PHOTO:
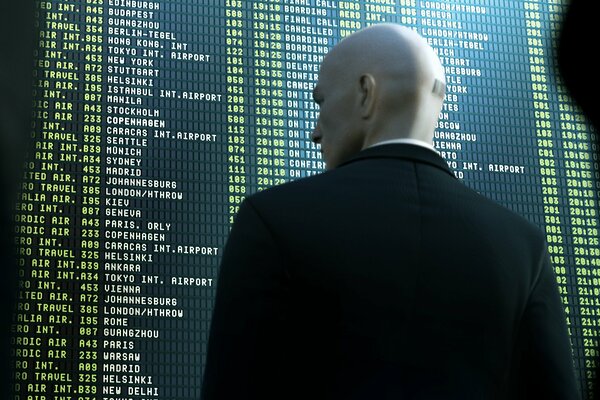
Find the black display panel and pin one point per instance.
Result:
(152, 120)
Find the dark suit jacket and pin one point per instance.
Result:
(386, 278)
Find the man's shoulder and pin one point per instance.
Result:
(339, 187)
(306, 186)
(506, 221)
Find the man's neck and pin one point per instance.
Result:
(406, 141)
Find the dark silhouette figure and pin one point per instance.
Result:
(579, 73)
(16, 66)
(578, 70)
(384, 277)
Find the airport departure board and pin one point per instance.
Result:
(152, 120)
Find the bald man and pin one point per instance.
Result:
(384, 277)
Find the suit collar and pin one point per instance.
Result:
(403, 151)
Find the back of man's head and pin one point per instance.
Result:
(383, 82)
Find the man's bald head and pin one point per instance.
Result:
(390, 49)
(383, 82)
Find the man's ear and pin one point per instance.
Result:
(368, 88)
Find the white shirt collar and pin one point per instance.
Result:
(407, 141)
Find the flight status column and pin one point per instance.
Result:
(309, 32)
